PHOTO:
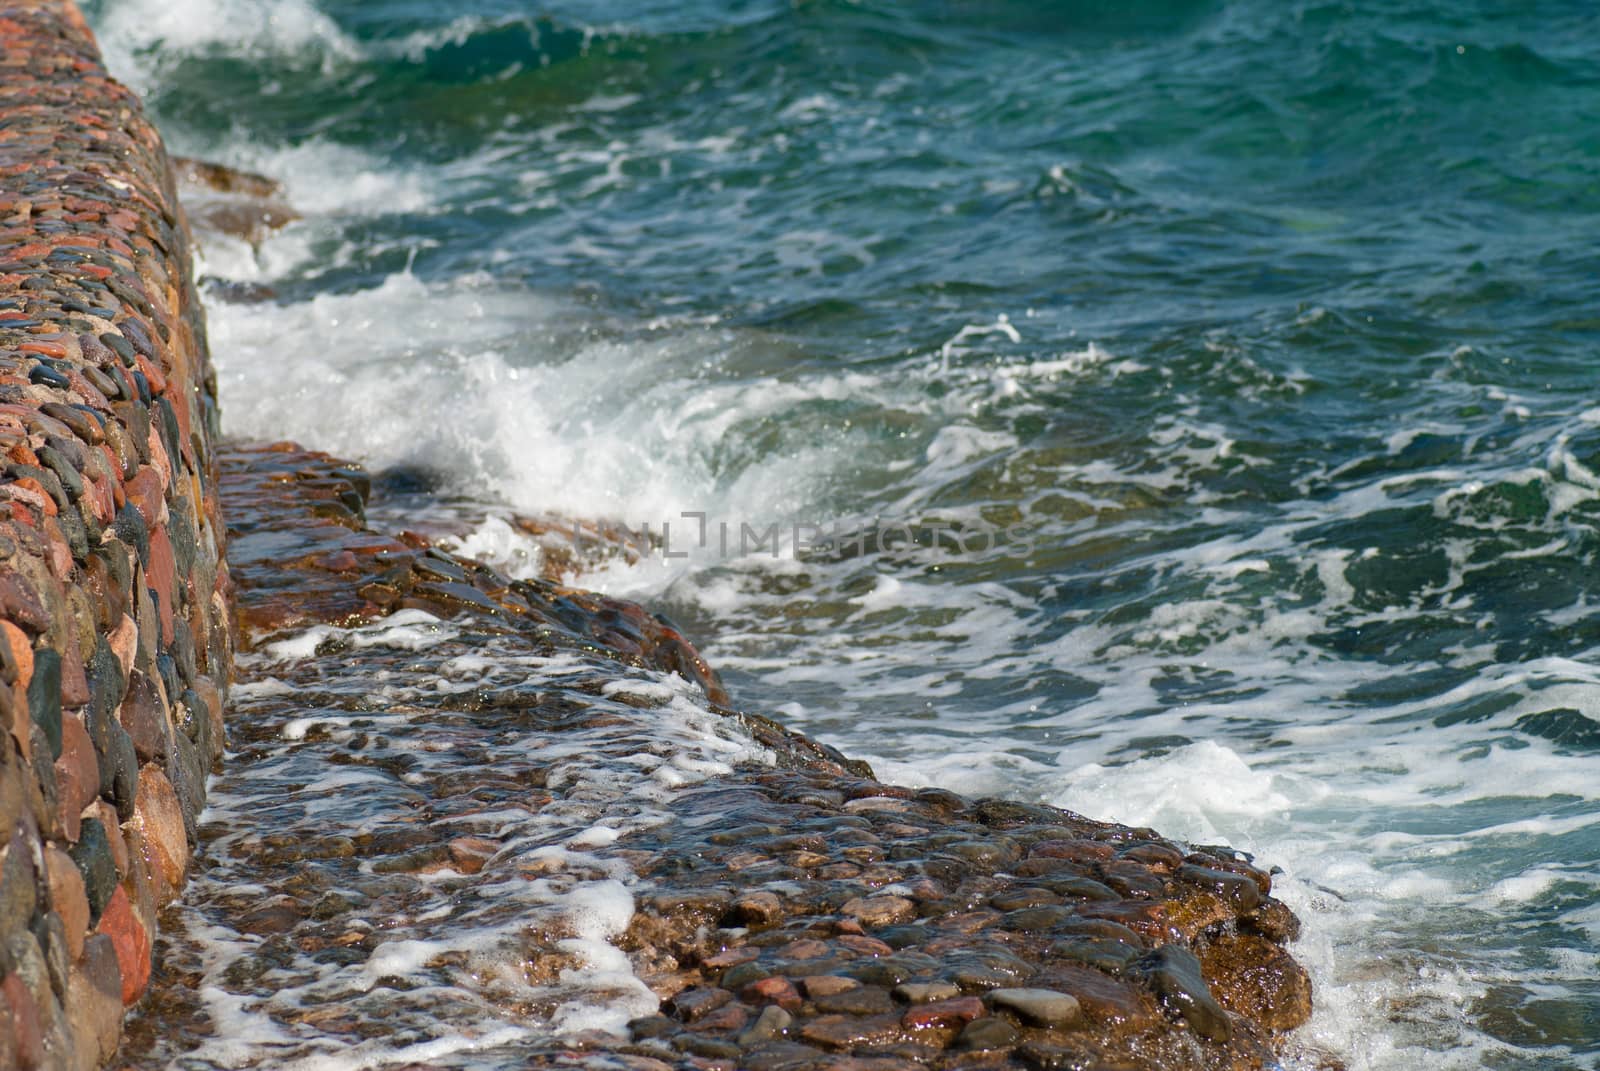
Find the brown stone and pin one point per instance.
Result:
(1175, 974)
(13, 793)
(9, 1057)
(94, 999)
(847, 1031)
(67, 897)
(162, 577)
(74, 679)
(864, 1001)
(728, 1019)
(779, 991)
(21, 654)
(988, 1035)
(956, 1012)
(1257, 979)
(1019, 898)
(27, 1030)
(771, 1023)
(1155, 854)
(865, 946)
(880, 910)
(732, 957)
(825, 985)
(124, 640)
(1195, 914)
(924, 1056)
(757, 909)
(692, 1004)
(21, 651)
(211, 696)
(19, 602)
(1105, 1001)
(145, 491)
(1145, 917)
(158, 817)
(1046, 1007)
(925, 992)
(18, 884)
(144, 715)
(1275, 922)
(77, 773)
(281, 916)
(469, 854)
(1074, 849)
(804, 949)
(1239, 890)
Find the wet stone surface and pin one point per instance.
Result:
(459, 829)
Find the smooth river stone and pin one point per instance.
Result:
(771, 1023)
(987, 1035)
(880, 910)
(1174, 973)
(923, 992)
(1047, 1007)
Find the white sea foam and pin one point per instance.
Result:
(457, 945)
(1195, 793)
(579, 429)
(140, 36)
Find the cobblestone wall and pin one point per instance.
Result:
(113, 593)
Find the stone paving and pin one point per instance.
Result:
(788, 909)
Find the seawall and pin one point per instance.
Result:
(113, 604)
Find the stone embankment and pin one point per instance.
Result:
(789, 912)
(114, 637)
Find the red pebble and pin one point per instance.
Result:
(868, 946)
(805, 948)
(131, 942)
(779, 991)
(954, 1012)
(146, 493)
(23, 1014)
(732, 957)
(730, 1018)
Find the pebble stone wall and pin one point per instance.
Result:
(114, 641)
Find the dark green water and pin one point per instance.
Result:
(1203, 393)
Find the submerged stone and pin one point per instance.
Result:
(1174, 973)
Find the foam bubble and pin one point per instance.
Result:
(1196, 793)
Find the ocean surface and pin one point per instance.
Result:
(1184, 413)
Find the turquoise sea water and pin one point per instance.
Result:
(1201, 399)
